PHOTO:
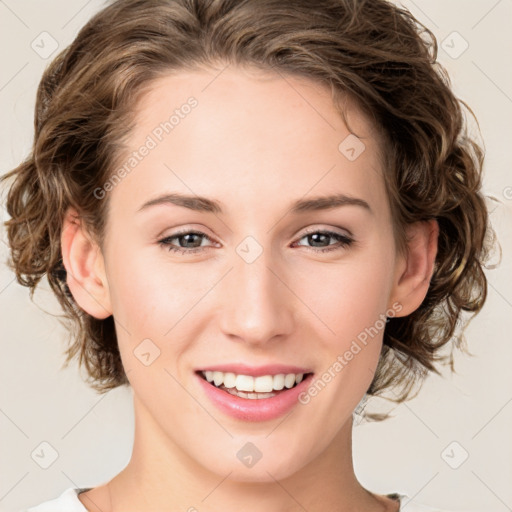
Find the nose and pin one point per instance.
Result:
(257, 305)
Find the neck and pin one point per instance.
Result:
(161, 476)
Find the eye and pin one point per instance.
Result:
(320, 240)
(192, 241)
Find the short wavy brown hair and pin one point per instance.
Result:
(370, 50)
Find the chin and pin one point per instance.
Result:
(252, 462)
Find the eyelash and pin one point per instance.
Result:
(343, 241)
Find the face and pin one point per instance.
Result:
(249, 279)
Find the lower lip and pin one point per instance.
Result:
(259, 409)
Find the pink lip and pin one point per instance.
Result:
(255, 371)
(263, 409)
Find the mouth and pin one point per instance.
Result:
(253, 387)
(254, 394)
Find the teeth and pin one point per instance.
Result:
(252, 396)
(264, 384)
(289, 380)
(244, 383)
(218, 378)
(278, 381)
(229, 379)
(247, 384)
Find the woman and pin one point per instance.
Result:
(255, 214)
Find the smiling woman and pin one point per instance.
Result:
(223, 259)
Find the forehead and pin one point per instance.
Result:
(238, 133)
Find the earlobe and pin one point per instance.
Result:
(414, 270)
(83, 261)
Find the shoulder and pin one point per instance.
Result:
(67, 502)
(409, 505)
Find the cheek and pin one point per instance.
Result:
(347, 297)
(150, 295)
(352, 307)
(157, 301)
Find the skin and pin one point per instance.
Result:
(256, 142)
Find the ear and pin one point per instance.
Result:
(414, 270)
(85, 267)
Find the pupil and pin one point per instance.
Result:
(191, 235)
(314, 237)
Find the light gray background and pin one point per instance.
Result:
(410, 453)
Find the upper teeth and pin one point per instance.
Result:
(262, 384)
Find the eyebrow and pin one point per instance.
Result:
(204, 204)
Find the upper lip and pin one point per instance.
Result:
(255, 371)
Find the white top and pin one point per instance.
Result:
(68, 502)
